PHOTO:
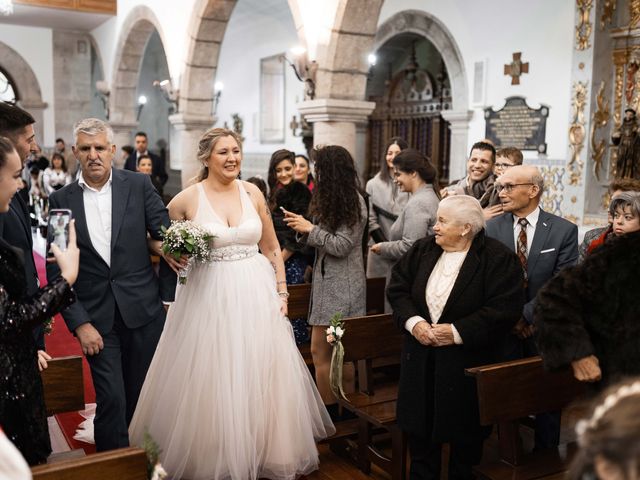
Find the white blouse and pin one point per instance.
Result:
(439, 286)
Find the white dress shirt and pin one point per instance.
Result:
(439, 286)
(532, 218)
(97, 211)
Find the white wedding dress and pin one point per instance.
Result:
(228, 395)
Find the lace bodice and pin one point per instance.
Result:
(230, 243)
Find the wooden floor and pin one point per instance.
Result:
(334, 467)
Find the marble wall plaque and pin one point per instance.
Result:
(517, 125)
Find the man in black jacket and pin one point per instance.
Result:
(15, 225)
(159, 173)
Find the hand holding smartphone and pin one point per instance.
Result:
(58, 229)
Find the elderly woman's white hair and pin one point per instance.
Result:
(466, 210)
(92, 126)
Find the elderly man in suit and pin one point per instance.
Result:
(119, 315)
(15, 225)
(158, 172)
(545, 244)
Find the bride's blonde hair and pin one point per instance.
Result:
(206, 145)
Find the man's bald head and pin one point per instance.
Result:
(520, 189)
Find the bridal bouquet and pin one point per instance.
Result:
(334, 337)
(185, 237)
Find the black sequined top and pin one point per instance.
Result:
(22, 411)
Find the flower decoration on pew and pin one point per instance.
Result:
(152, 449)
(185, 237)
(334, 336)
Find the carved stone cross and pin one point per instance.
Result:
(516, 68)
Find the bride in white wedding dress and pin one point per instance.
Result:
(228, 395)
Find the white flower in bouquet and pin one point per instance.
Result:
(185, 237)
(159, 473)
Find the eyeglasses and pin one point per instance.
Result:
(508, 187)
(504, 165)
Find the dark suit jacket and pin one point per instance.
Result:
(130, 282)
(484, 304)
(15, 229)
(158, 171)
(554, 247)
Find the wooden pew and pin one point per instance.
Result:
(367, 339)
(300, 297)
(63, 385)
(510, 391)
(123, 464)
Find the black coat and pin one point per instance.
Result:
(594, 308)
(22, 410)
(436, 400)
(295, 198)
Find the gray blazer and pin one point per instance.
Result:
(386, 203)
(415, 222)
(339, 283)
(554, 247)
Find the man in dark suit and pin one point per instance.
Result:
(545, 244)
(159, 173)
(119, 315)
(15, 225)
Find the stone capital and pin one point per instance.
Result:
(183, 121)
(336, 110)
(123, 126)
(33, 105)
(457, 119)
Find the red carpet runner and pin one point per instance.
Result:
(62, 343)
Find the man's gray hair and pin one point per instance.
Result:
(466, 210)
(538, 179)
(626, 199)
(92, 126)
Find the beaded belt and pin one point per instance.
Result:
(232, 252)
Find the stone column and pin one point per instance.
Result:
(336, 122)
(458, 154)
(122, 135)
(185, 135)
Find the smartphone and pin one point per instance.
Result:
(58, 229)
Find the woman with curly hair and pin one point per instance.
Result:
(339, 284)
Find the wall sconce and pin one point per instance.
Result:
(372, 59)
(170, 94)
(142, 101)
(102, 92)
(304, 69)
(217, 93)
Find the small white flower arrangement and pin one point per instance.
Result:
(185, 237)
(335, 333)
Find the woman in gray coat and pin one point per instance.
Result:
(386, 204)
(416, 176)
(339, 283)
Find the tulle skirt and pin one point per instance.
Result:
(228, 395)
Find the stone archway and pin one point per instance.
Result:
(26, 84)
(135, 33)
(195, 115)
(426, 25)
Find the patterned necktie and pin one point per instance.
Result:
(522, 246)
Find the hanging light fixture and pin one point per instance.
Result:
(6, 7)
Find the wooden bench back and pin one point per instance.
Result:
(63, 385)
(123, 464)
(300, 296)
(370, 337)
(511, 390)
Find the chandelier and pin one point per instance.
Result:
(6, 7)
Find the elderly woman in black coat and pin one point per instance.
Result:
(454, 295)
